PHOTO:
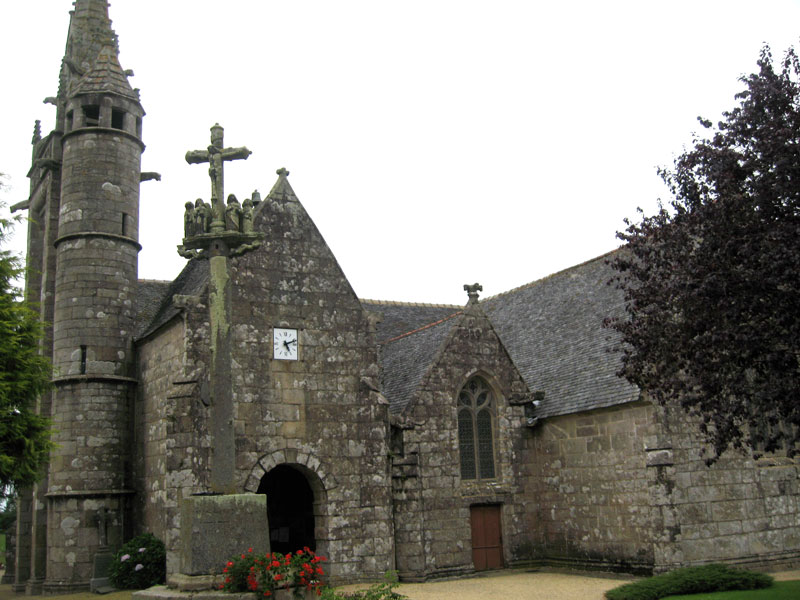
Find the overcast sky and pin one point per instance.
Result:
(434, 143)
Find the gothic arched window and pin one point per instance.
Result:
(475, 430)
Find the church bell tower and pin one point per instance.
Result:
(96, 255)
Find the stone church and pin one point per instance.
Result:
(435, 440)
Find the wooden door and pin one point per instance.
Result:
(487, 540)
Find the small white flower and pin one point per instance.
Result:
(138, 567)
(124, 557)
(142, 549)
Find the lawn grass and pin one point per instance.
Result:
(780, 590)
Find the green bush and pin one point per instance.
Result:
(691, 580)
(140, 563)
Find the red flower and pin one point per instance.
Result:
(249, 549)
(268, 593)
(275, 563)
(320, 571)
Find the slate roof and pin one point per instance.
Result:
(410, 337)
(403, 317)
(149, 296)
(190, 282)
(552, 329)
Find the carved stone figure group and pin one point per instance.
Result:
(198, 217)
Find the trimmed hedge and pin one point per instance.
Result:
(691, 580)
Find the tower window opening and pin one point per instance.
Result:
(124, 224)
(138, 127)
(91, 115)
(68, 124)
(83, 360)
(117, 118)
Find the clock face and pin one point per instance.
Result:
(284, 344)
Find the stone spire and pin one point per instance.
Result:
(89, 32)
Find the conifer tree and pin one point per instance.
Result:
(24, 376)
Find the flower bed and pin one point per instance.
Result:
(266, 573)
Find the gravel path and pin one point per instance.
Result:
(519, 586)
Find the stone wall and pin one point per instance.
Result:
(159, 365)
(739, 510)
(432, 502)
(588, 488)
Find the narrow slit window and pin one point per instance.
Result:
(83, 360)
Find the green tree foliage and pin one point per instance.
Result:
(712, 281)
(24, 376)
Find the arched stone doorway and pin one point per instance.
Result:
(290, 509)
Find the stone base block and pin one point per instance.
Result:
(193, 583)
(216, 528)
(161, 592)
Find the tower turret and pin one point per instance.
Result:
(96, 272)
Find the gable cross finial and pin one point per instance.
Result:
(472, 292)
(215, 155)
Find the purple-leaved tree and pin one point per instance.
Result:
(712, 281)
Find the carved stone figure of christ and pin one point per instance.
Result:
(216, 154)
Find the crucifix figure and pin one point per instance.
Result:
(216, 155)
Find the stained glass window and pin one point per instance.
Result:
(476, 430)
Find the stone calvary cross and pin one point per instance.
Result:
(217, 245)
(216, 155)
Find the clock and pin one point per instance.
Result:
(284, 344)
